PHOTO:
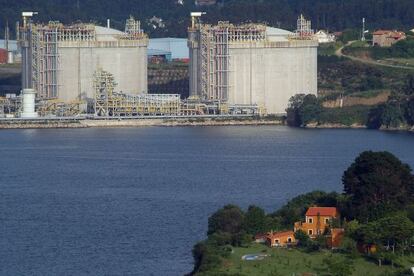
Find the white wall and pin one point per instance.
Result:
(77, 66)
(270, 76)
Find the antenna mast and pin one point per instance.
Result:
(363, 29)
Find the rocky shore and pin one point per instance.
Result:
(334, 125)
(356, 126)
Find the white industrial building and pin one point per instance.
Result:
(252, 64)
(60, 61)
(177, 47)
(324, 37)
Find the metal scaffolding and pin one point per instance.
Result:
(42, 56)
(55, 107)
(215, 56)
(10, 106)
(133, 30)
(304, 28)
(2, 106)
(45, 57)
(109, 103)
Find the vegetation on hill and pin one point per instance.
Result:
(401, 49)
(305, 110)
(377, 210)
(337, 75)
(396, 113)
(332, 15)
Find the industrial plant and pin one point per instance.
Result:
(60, 61)
(94, 71)
(252, 64)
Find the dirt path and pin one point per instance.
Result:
(339, 53)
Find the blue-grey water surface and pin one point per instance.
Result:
(133, 201)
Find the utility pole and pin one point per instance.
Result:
(6, 36)
(17, 30)
(363, 29)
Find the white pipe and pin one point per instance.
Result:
(28, 111)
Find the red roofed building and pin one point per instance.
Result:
(386, 38)
(317, 221)
(280, 239)
(3, 56)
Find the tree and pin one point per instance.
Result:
(303, 109)
(296, 208)
(229, 219)
(255, 220)
(377, 183)
(349, 246)
(375, 117)
(395, 230)
(392, 115)
(389, 234)
(205, 258)
(295, 102)
(310, 109)
(302, 238)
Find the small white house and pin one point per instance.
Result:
(324, 37)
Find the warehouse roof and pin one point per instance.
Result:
(155, 52)
(176, 46)
(12, 44)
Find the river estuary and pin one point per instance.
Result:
(133, 201)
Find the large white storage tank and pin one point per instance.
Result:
(251, 64)
(61, 60)
(125, 59)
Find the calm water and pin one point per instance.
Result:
(134, 201)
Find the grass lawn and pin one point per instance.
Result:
(293, 262)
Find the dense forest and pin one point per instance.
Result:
(325, 14)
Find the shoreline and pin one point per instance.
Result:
(139, 122)
(355, 126)
(64, 123)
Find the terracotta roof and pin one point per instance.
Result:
(280, 234)
(321, 211)
(390, 33)
(381, 32)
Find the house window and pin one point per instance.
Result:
(289, 240)
(310, 232)
(327, 221)
(276, 241)
(310, 220)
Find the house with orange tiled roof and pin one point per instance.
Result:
(280, 239)
(317, 221)
(386, 38)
